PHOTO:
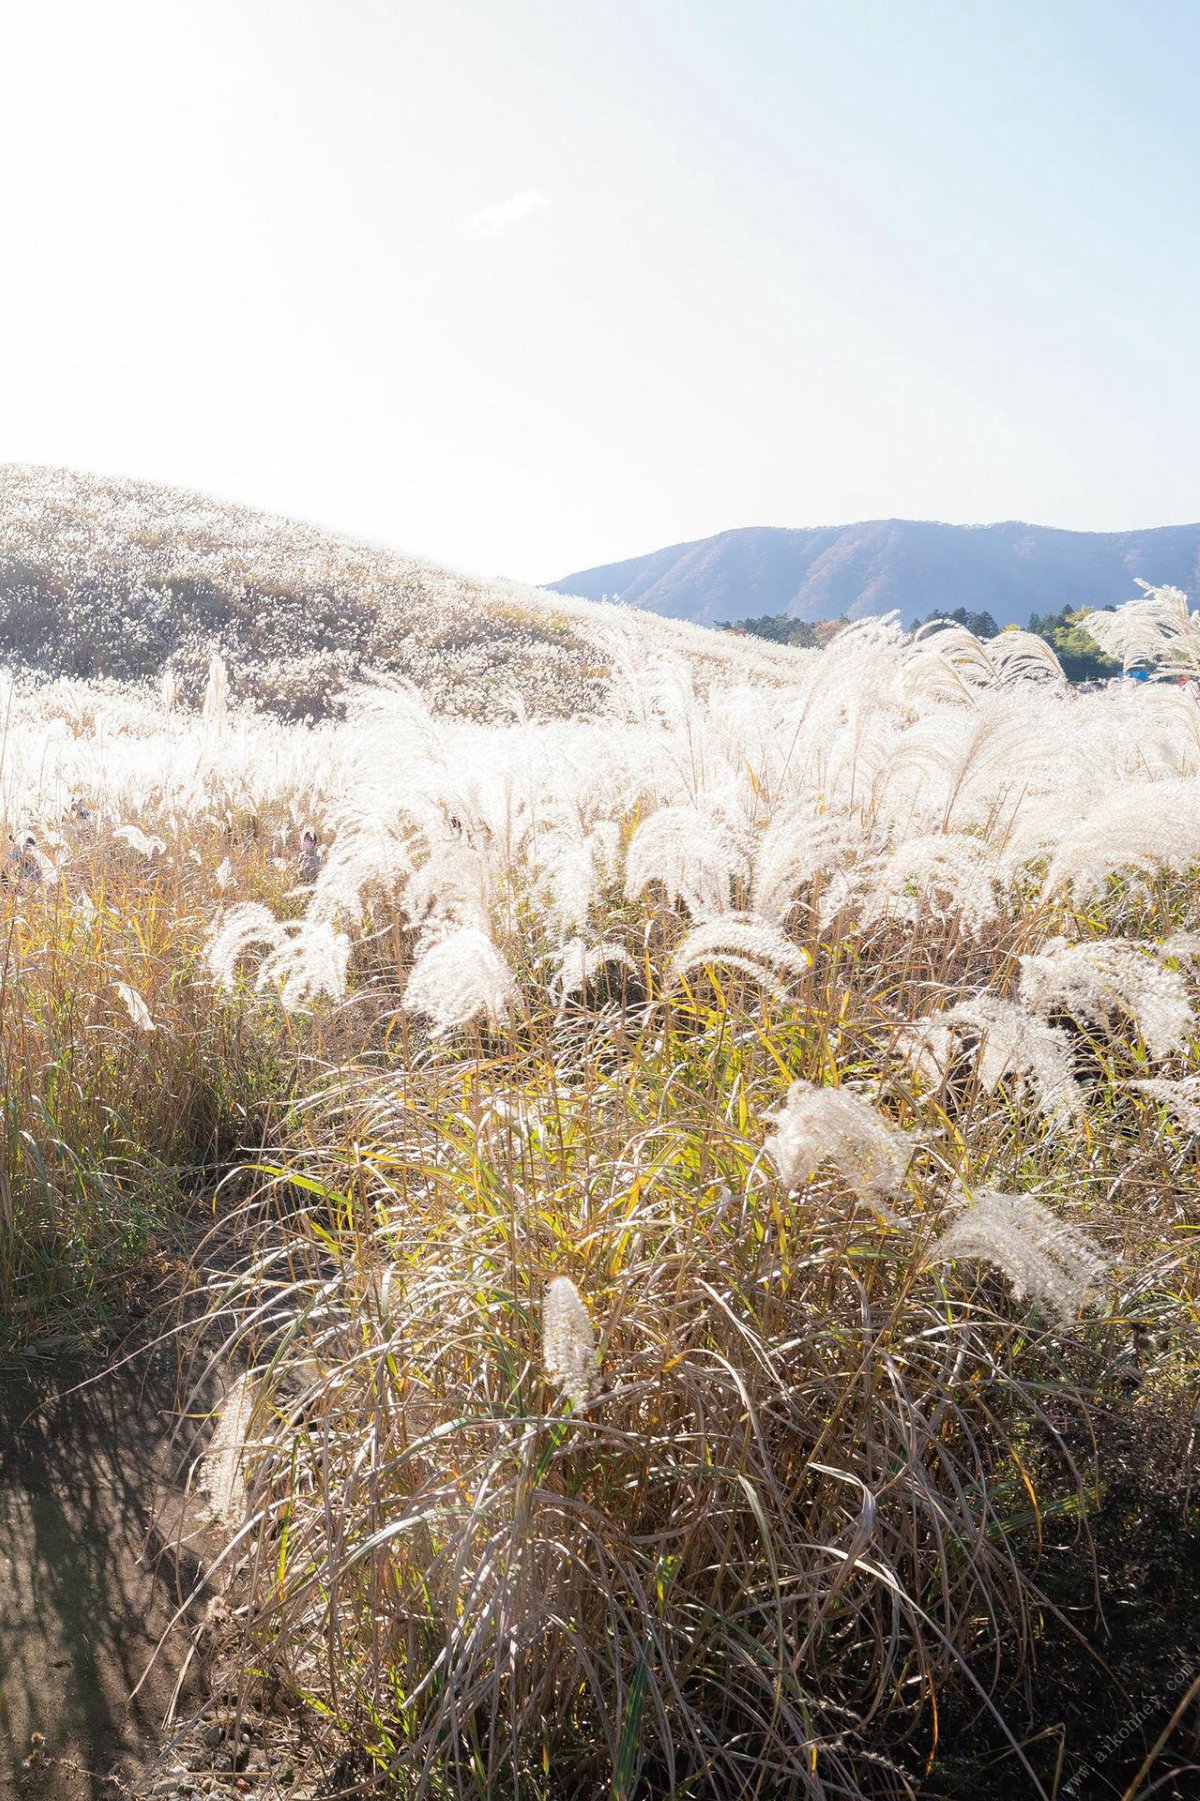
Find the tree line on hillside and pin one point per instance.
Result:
(1081, 657)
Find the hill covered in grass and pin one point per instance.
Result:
(912, 566)
(130, 581)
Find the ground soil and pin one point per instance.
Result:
(94, 1572)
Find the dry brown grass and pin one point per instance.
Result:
(111, 1131)
(807, 1501)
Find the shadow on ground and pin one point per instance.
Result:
(88, 1585)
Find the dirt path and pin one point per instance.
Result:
(88, 1584)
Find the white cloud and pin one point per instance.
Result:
(495, 219)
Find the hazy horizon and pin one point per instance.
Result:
(533, 293)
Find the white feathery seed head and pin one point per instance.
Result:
(308, 963)
(816, 1125)
(1102, 976)
(1139, 829)
(1043, 1257)
(1181, 1098)
(799, 843)
(1158, 630)
(140, 841)
(741, 941)
(944, 874)
(136, 1007)
(928, 1049)
(1012, 1045)
(370, 856)
(1018, 656)
(1181, 947)
(458, 977)
(569, 1342)
(947, 660)
(457, 883)
(236, 932)
(215, 711)
(572, 867)
(579, 963)
(691, 853)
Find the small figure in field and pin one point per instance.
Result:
(25, 862)
(308, 860)
(82, 818)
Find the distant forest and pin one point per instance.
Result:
(1081, 657)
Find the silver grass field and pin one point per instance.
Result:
(679, 1164)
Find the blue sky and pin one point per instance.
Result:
(524, 286)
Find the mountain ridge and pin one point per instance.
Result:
(916, 567)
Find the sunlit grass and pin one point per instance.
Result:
(544, 1013)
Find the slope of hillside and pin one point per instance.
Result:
(130, 581)
(914, 566)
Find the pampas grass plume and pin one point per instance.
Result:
(136, 1007)
(458, 977)
(818, 1125)
(1044, 1258)
(569, 1342)
(743, 942)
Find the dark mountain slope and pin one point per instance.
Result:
(914, 566)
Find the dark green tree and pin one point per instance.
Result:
(982, 624)
(1081, 657)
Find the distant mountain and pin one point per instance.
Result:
(913, 566)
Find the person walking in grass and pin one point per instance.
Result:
(308, 860)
